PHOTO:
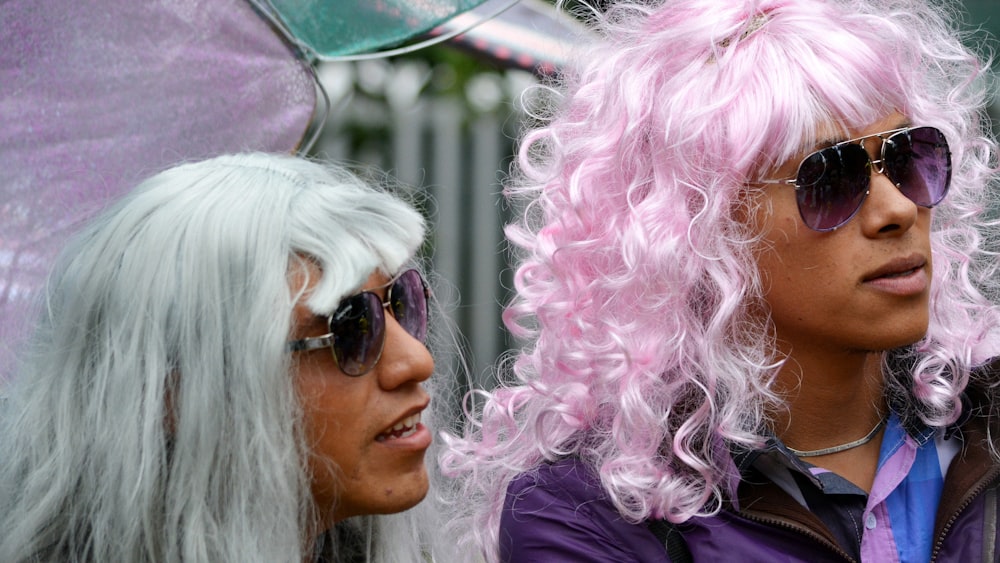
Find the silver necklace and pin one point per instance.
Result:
(843, 447)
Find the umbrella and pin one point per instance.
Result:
(96, 95)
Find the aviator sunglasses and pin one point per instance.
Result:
(832, 183)
(357, 328)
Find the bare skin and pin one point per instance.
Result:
(823, 414)
(359, 463)
(837, 300)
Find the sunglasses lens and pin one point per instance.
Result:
(408, 299)
(831, 185)
(919, 162)
(358, 328)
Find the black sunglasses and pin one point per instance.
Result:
(357, 328)
(832, 183)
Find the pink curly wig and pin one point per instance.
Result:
(637, 278)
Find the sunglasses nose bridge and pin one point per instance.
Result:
(876, 165)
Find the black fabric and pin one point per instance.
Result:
(672, 540)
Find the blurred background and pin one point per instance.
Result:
(443, 121)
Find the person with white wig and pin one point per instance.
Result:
(229, 366)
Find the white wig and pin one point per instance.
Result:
(153, 416)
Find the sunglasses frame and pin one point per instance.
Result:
(876, 165)
(328, 340)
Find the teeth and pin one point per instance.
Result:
(402, 429)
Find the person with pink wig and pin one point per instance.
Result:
(758, 294)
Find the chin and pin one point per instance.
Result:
(408, 494)
(404, 505)
(903, 336)
(384, 496)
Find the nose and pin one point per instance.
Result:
(404, 358)
(886, 211)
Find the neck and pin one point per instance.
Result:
(842, 447)
(817, 391)
(832, 402)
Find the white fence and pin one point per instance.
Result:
(454, 148)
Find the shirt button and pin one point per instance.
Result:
(870, 522)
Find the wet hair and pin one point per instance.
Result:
(636, 283)
(154, 416)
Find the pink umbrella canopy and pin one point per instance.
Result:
(96, 95)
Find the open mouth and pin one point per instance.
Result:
(401, 429)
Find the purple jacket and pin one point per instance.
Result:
(560, 513)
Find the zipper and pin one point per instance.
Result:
(974, 492)
(789, 525)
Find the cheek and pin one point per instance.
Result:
(332, 472)
(331, 426)
(796, 270)
(785, 243)
(780, 250)
(337, 448)
(332, 410)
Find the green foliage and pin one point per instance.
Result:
(453, 67)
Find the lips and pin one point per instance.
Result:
(406, 426)
(897, 268)
(903, 277)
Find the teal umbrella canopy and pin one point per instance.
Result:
(531, 35)
(336, 29)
